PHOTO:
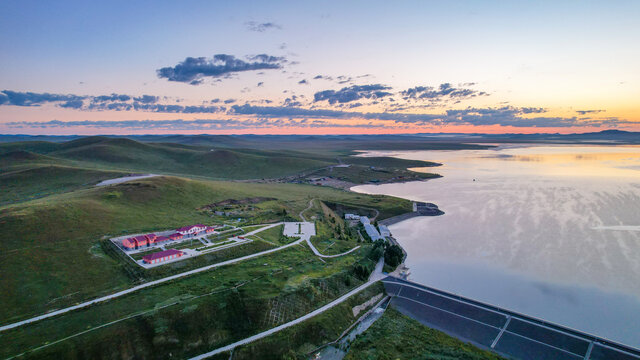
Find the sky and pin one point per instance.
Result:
(298, 67)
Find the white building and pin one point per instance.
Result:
(351, 217)
(384, 231)
(192, 229)
(364, 220)
(372, 232)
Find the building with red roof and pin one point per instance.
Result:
(210, 229)
(160, 239)
(141, 240)
(162, 256)
(176, 236)
(151, 238)
(129, 243)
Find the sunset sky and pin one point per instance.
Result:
(276, 67)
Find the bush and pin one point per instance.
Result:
(363, 269)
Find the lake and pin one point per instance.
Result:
(549, 231)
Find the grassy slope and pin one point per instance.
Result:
(272, 235)
(51, 246)
(299, 340)
(396, 336)
(176, 159)
(35, 169)
(26, 175)
(333, 236)
(193, 315)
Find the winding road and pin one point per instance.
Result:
(155, 282)
(375, 276)
(308, 239)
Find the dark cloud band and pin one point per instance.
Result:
(194, 70)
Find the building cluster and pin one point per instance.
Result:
(371, 230)
(195, 229)
(137, 242)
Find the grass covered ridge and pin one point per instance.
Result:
(52, 247)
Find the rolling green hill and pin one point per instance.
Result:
(25, 175)
(30, 170)
(175, 159)
(51, 246)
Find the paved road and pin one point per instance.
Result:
(375, 276)
(313, 248)
(153, 283)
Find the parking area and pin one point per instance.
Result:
(301, 229)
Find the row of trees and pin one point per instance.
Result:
(393, 256)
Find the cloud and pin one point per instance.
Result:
(112, 97)
(198, 124)
(194, 70)
(503, 116)
(147, 99)
(585, 112)
(113, 102)
(17, 98)
(352, 93)
(445, 90)
(262, 27)
(72, 104)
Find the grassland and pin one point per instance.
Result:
(363, 170)
(333, 235)
(26, 176)
(173, 159)
(297, 342)
(192, 315)
(396, 336)
(54, 247)
(32, 170)
(273, 235)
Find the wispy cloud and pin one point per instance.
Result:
(445, 90)
(113, 102)
(352, 93)
(585, 112)
(199, 124)
(194, 70)
(262, 27)
(8, 97)
(504, 116)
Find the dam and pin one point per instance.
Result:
(508, 333)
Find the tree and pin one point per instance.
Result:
(393, 255)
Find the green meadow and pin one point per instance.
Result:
(57, 252)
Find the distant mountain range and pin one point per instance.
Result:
(411, 140)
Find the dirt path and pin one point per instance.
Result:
(308, 208)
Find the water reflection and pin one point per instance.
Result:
(545, 230)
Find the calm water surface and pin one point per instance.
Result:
(550, 231)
